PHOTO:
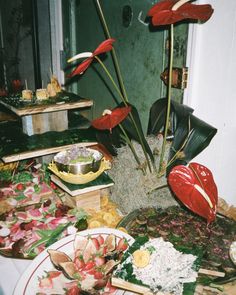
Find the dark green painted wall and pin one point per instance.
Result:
(141, 53)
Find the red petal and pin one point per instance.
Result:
(161, 6)
(105, 46)
(81, 67)
(112, 120)
(205, 178)
(162, 13)
(192, 11)
(183, 181)
(165, 17)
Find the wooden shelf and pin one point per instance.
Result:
(63, 101)
(44, 127)
(16, 146)
(40, 116)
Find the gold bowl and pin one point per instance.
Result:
(80, 178)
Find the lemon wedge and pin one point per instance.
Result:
(141, 258)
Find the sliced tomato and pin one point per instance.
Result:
(79, 262)
(53, 274)
(122, 245)
(100, 240)
(73, 291)
(20, 187)
(98, 275)
(52, 185)
(89, 265)
(96, 243)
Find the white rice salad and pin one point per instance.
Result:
(167, 270)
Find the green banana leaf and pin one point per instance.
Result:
(191, 137)
(157, 115)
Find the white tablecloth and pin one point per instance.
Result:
(10, 272)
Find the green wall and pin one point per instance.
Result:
(141, 52)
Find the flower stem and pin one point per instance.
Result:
(130, 114)
(113, 52)
(112, 80)
(177, 153)
(126, 137)
(120, 80)
(161, 165)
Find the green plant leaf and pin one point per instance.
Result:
(111, 140)
(191, 137)
(158, 114)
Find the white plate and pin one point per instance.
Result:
(28, 283)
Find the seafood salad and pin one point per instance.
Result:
(158, 265)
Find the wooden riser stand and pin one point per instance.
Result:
(87, 196)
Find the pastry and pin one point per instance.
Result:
(51, 90)
(27, 94)
(56, 85)
(42, 94)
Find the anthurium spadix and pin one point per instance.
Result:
(80, 55)
(104, 47)
(195, 187)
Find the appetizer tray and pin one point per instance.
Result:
(187, 231)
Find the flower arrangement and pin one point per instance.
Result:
(191, 135)
(193, 185)
(169, 12)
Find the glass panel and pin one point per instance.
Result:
(25, 43)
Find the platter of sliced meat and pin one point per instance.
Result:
(77, 264)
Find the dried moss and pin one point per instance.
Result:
(132, 189)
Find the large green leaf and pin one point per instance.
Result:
(111, 140)
(157, 115)
(191, 137)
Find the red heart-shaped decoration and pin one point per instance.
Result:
(194, 186)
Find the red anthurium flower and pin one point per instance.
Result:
(16, 85)
(3, 92)
(162, 13)
(194, 186)
(104, 47)
(110, 119)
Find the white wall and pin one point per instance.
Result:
(212, 91)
